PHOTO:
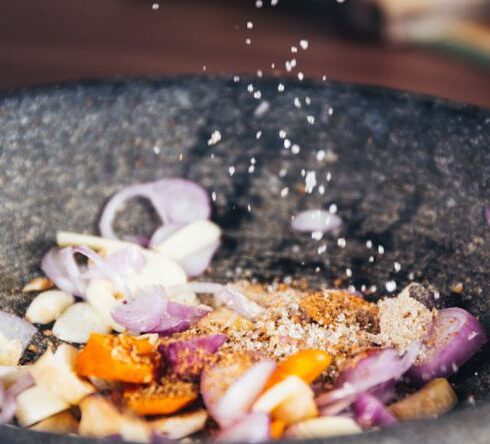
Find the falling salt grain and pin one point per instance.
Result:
(310, 119)
(307, 101)
(332, 209)
(371, 259)
(369, 244)
(287, 143)
(250, 25)
(249, 208)
(261, 109)
(258, 135)
(304, 44)
(341, 242)
(317, 235)
(397, 266)
(250, 88)
(155, 6)
(320, 155)
(330, 111)
(301, 76)
(390, 286)
(310, 181)
(381, 249)
(283, 172)
(328, 176)
(282, 134)
(284, 192)
(348, 272)
(215, 138)
(297, 102)
(322, 249)
(321, 189)
(231, 170)
(324, 78)
(258, 4)
(213, 196)
(411, 276)
(274, 2)
(248, 41)
(295, 149)
(472, 335)
(257, 95)
(259, 73)
(294, 49)
(280, 87)
(204, 67)
(236, 79)
(251, 169)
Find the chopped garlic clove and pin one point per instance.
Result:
(78, 322)
(56, 372)
(10, 373)
(102, 296)
(37, 403)
(61, 423)
(99, 418)
(180, 426)
(10, 351)
(279, 393)
(323, 427)
(100, 244)
(48, 306)
(190, 240)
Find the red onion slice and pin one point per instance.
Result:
(455, 337)
(150, 311)
(236, 400)
(316, 221)
(379, 366)
(61, 268)
(8, 403)
(227, 295)
(125, 262)
(187, 358)
(252, 428)
(13, 327)
(142, 313)
(370, 412)
(177, 201)
(105, 269)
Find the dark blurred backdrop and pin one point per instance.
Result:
(43, 41)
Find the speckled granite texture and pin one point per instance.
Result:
(407, 172)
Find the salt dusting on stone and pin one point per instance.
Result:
(215, 138)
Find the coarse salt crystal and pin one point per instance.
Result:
(231, 170)
(214, 138)
(310, 119)
(341, 242)
(390, 286)
(250, 25)
(282, 134)
(304, 44)
(295, 149)
(280, 87)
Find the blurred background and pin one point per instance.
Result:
(439, 47)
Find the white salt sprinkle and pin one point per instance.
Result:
(304, 44)
(282, 134)
(397, 266)
(301, 76)
(250, 25)
(231, 170)
(310, 119)
(258, 135)
(214, 138)
(390, 286)
(155, 6)
(280, 87)
(284, 192)
(295, 149)
(310, 181)
(341, 242)
(262, 108)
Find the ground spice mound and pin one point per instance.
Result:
(402, 321)
(295, 319)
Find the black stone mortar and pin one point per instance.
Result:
(408, 172)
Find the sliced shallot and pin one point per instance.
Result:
(370, 412)
(227, 295)
(316, 221)
(228, 403)
(177, 201)
(187, 358)
(251, 428)
(377, 367)
(455, 337)
(15, 328)
(60, 267)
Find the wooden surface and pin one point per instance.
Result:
(54, 40)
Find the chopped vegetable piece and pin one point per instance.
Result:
(277, 428)
(431, 401)
(160, 399)
(248, 429)
(101, 419)
(63, 422)
(324, 427)
(117, 358)
(180, 426)
(306, 364)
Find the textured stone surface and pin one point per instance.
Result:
(407, 172)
